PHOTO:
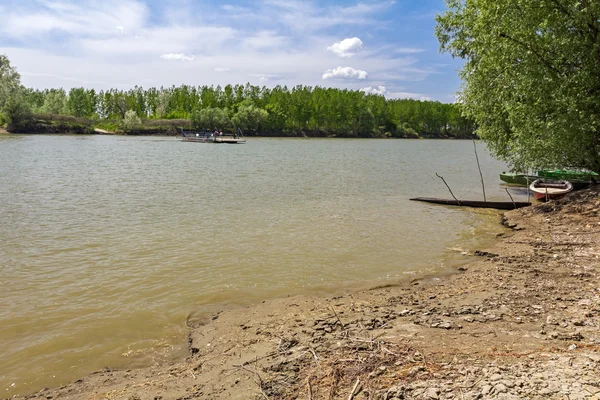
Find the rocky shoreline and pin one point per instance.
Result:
(523, 321)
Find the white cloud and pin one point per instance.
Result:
(380, 90)
(163, 39)
(264, 40)
(88, 19)
(407, 50)
(179, 57)
(305, 16)
(347, 47)
(345, 73)
(222, 69)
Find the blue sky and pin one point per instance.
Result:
(385, 46)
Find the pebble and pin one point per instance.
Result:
(507, 383)
(433, 393)
(486, 390)
(500, 388)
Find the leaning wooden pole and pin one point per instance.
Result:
(479, 166)
(443, 180)
(511, 198)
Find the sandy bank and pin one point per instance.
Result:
(103, 132)
(521, 322)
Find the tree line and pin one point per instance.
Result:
(278, 111)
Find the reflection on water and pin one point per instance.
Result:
(109, 244)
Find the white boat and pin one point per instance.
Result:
(545, 190)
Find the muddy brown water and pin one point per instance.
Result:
(110, 246)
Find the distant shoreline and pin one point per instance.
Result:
(97, 131)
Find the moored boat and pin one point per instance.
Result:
(517, 179)
(569, 175)
(580, 180)
(498, 205)
(545, 190)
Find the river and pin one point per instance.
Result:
(110, 245)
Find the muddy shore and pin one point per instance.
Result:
(523, 321)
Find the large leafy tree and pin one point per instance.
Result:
(531, 78)
(211, 118)
(55, 102)
(249, 117)
(10, 81)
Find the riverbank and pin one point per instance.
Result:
(522, 321)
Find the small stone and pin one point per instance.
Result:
(572, 347)
(507, 383)
(415, 370)
(500, 388)
(495, 377)
(432, 393)
(486, 390)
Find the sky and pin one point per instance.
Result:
(379, 46)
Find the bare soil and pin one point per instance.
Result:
(523, 321)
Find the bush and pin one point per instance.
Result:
(131, 121)
(166, 123)
(18, 116)
(406, 131)
(63, 118)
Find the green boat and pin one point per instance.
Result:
(569, 175)
(517, 179)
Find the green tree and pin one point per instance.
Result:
(210, 118)
(131, 121)
(55, 102)
(162, 103)
(531, 77)
(82, 102)
(249, 117)
(10, 81)
(18, 115)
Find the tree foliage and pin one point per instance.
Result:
(55, 102)
(10, 82)
(531, 78)
(210, 118)
(18, 115)
(131, 121)
(249, 117)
